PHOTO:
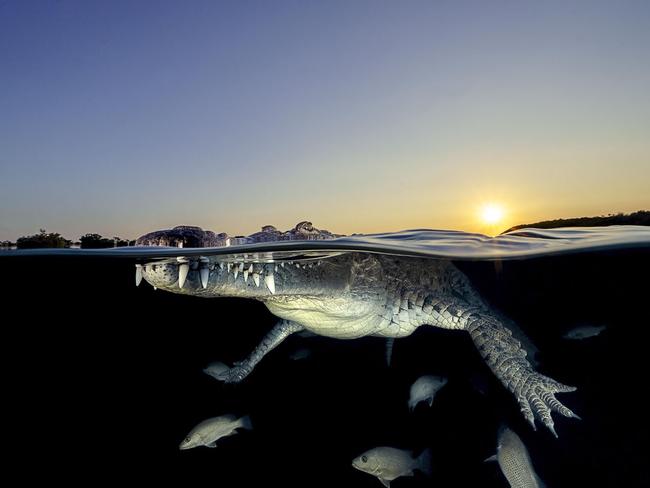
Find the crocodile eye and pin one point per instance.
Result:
(187, 439)
(364, 459)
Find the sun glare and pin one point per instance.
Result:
(491, 213)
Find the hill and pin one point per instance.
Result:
(642, 217)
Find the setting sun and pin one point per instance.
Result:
(492, 213)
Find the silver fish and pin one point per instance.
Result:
(514, 461)
(302, 353)
(425, 389)
(389, 463)
(208, 432)
(584, 332)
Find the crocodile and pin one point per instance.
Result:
(351, 295)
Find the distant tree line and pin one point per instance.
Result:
(46, 239)
(96, 241)
(642, 217)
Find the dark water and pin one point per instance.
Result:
(104, 380)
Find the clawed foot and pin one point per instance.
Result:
(235, 374)
(536, 398)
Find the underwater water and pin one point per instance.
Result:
(107, 378)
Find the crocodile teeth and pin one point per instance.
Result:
(138, 274)
(241, 267)
(220, 265)
(282, 264)
(236, 272)
(229, 267)
(246, 276)
(250, 268)
(256, 279)
(183, 269)
(269, 280)
(180, 244)
(204, 272)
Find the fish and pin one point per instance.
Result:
(302, 353)
(425, 389)
(216, 369)
(514, 461)
(208, 432)
(390, 463)
(584, 332)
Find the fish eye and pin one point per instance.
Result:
(364, 459)
(187, 439)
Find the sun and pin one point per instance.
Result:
(491, 213)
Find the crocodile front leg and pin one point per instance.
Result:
(241, 369)
(507, 360)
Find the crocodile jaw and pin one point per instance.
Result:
(209, 277)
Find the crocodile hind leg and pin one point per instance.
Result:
(507, 359)
(277, 334)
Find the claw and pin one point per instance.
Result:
(575, 415)
(527, 412)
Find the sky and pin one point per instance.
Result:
(125, 117)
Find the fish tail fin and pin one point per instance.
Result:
(245, 422)
(425, 462)
(492, 458)
(390, 343)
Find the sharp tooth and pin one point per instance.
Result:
(204, 272)
(275, 268)
(250, 268)
(282, 264)
(236, 272)
(246, 276)
(183, 269)
(155, 288)
(256, 279)
(138, 274)
(229, 267)
(241, 267)
(221, 265)
(270, 282)
(180, 244)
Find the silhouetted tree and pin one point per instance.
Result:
(95, 241)
(43, 239)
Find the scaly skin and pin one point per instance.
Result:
(355, 295)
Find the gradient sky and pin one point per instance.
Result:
(122, 117)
